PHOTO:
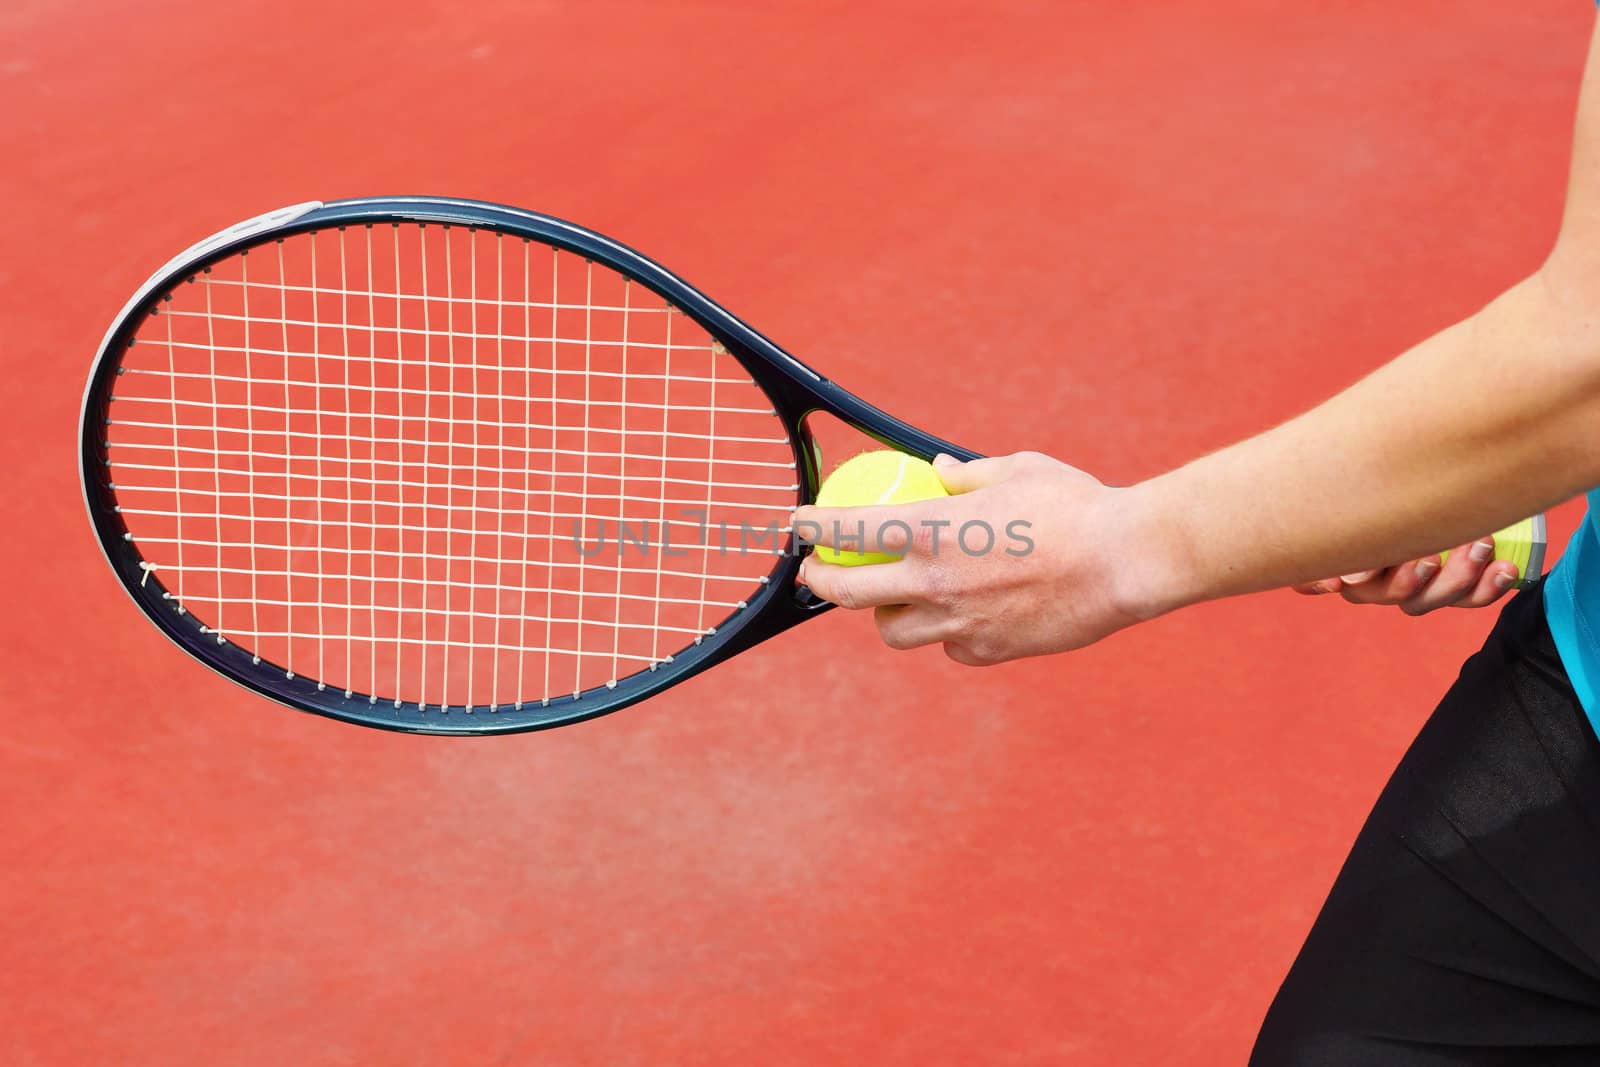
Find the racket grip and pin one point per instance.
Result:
(1522, 543)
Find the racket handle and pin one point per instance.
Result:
(1521, 543)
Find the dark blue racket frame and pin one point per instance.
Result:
(796, 392)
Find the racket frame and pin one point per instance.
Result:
(795, 390)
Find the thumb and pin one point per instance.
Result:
(961, 477)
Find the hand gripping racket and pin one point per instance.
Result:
(450, 467)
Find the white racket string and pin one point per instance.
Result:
(661, 516)
(249, 426)
(583, 495)
(288, 611)
(423, 469)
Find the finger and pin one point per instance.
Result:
(871, 528)
(1318, 588)
(1455, 579)
(862, 587)
(1498, 580)
(1392, 585)
(905, 626)
(961, 477)
(1366, 587)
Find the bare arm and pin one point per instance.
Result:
(1493, 419)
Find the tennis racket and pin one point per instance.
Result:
(450, 467)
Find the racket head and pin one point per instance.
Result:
(768, 604)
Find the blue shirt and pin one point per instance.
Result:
(1572, 608)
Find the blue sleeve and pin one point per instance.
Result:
(1572, 608)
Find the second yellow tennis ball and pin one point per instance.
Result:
(882, 477)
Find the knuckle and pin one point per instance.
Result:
(881, 535)
(1406, 586)
(890, 622)
(896, 638)
(1028, 463)
(983, 649)
(966, 629)
(1483, 596)
(960, 654)
(936, 586)
(829, 587)
(920, 541)
(843, 595)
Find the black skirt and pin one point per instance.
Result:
(1464, 927)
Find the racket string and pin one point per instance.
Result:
(396, 481)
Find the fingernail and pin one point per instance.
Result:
(1481, 551)
(943, 460)
(1426, 568)
(1357, 578)
(1504, 580)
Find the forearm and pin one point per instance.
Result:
(1493, 419)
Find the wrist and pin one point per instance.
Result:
(1155, 566)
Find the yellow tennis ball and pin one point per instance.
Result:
(882, 477)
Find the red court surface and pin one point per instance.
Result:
(1121, 234)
